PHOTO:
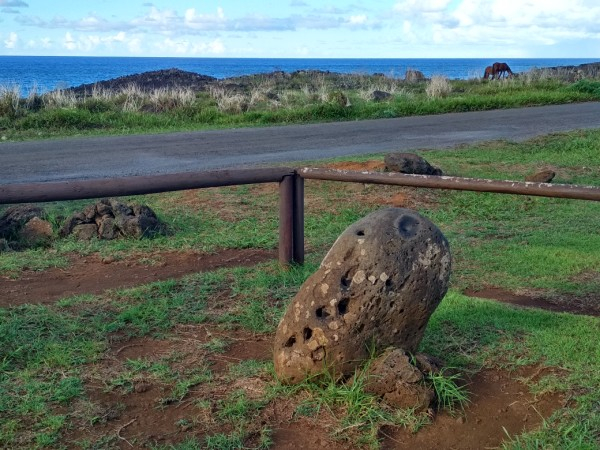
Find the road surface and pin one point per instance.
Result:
(119, 156)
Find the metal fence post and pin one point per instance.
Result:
(298, 219)
(286, 220)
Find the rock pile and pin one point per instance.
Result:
(110, 219)
(377, 287)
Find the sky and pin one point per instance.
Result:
(302, 28)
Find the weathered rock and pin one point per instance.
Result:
(400, 384)
(36, 232)
(77, 218)
(545, 176)
(85, 231)
(15, 217)
(409, 163)
(380, 96)
(107, 228)
(379, 284)
(414, 76)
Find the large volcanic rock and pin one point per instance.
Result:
(378, 285)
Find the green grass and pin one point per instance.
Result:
(51, 355)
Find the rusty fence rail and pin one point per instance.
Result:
(291, 191)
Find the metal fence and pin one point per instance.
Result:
(291, 191)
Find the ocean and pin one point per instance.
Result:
(44, 73)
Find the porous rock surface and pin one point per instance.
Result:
(409, 163)
(393, 377)
(110, 219)
(378, 285)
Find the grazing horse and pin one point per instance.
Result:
(489, 72)
(501, 69)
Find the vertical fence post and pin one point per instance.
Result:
(286, 220)
(298, 219)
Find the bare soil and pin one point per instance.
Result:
(94, 275)
(500, 401)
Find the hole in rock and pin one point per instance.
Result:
(307, 334)
(321, 313)
(342, 306)
(408, 226)
(360, 233)
(345, 281)
(291, 341)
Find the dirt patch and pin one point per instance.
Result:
(94, 275)
(565, 303)
(500, 405)
(140, 416)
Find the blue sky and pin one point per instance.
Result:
(302, 28)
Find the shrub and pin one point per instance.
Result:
(438, 87)
(9, 100)
(587, 87)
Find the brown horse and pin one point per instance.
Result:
(489, 72)
(500, 69)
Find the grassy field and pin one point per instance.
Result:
(58, 361)
(271, 101)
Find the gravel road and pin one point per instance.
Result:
(119, 156)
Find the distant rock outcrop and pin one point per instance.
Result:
(150, 81)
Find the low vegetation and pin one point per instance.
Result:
(69, 371)
(271, 99)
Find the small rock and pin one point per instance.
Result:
(414, 76)
(545, 176)
(36, 232)
(409, 163)
(460, 420)
(141, 387)
(85, 232)
(380, 96)
(392, 377)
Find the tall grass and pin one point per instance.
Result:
(298, 98)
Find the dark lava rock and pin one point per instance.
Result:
(414, 76)
(409, 163)
(110, 219)
(15, 217)
(380, 96)
(378, 285)
(150, 81)
(545, 176)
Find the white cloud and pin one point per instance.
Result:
(89, 43)
(188, 47)
(12, 41)
(498, 23)
(358, 20)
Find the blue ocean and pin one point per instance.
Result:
(44, 73)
